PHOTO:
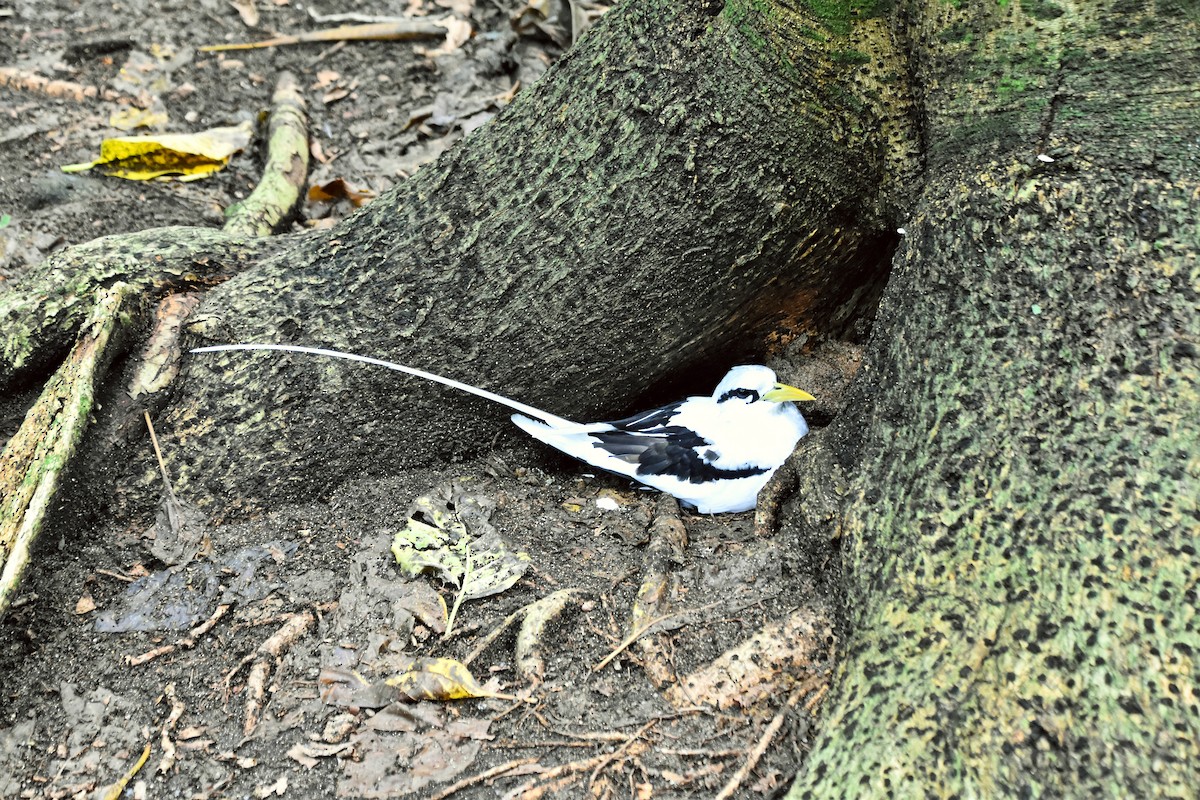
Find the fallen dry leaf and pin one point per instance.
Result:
(397, 764)
(189, 155)
(278, 788)
(325, 78)
(247, 11)
(340, 189)
(309, 755)
(85, 604)
(457, 33)
(438, 679)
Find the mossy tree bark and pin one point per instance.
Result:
(687, 179)
(1022, 515)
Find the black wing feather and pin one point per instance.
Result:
(659, 448)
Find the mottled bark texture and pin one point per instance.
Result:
(688, 178)
(1023, 482)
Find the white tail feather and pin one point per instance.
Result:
(551, 419)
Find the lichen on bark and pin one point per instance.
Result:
(1021, 589)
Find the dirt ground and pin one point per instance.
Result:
(306, 606)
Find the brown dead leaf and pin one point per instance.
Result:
(340, 93)
(457, 33)
(276, 789)
(85, 604)
(247, 11)
(339, 189)
(318, 152)
(309, 755)
(759, 667)
(326, 78)
(396, 764)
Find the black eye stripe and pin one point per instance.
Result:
(740, 393)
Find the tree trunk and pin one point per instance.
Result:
(1022, 516)
(680, 185)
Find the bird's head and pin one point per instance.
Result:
(751, 383)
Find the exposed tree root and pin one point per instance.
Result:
(531, 666)
(754, 669)
(87, 292)
(185, 643)
(668, 541)
(267, 657)
(815, 683)
(286, 170)
(780, 487)
(45, 308)
(35, 458)
(168, 744)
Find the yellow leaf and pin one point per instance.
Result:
(438, 679)
(191, 155)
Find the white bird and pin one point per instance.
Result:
(712, 453)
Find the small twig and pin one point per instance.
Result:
(563, 775)
(183, 644)
(736, 780)
(114, 791)
(645, 628)
(668, 541)
(486, 775)
(556, 776)
(24, 80)
(172, 504)
(495, 634)
(268, 654)
(594, 736)
(513, 744)
(168, 744)
(114, 574)
(388, 31)
(620, 751)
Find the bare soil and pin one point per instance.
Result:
(76, 714)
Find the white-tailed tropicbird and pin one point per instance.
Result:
(712, 453)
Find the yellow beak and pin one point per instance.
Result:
(782, 393)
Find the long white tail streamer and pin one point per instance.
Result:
(552, 419)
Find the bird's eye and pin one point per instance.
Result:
(740, 393)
